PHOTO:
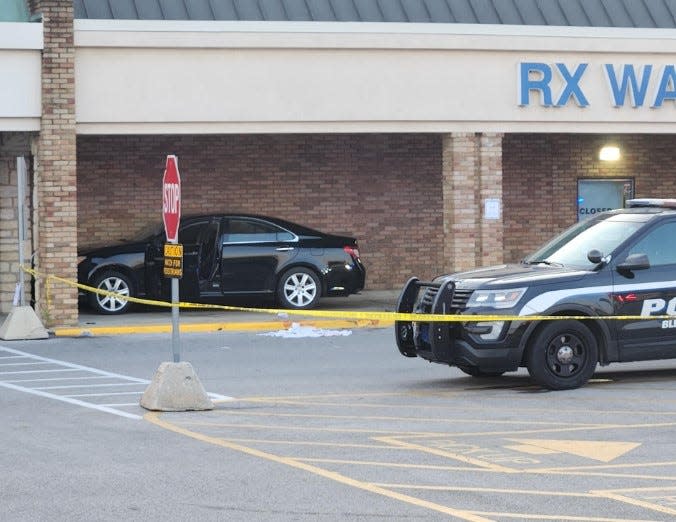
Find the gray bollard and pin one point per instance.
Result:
(175, 387)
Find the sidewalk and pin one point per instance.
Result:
(153, 320)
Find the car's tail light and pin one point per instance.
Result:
(353, 251)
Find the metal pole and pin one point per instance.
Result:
(21, 202)
(175, 341)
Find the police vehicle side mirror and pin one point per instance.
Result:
(634, 262)
(595, 256)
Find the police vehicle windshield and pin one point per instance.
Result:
(572, 246)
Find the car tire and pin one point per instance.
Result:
(474, 371)
(299, 289)
(112, 281)
(562, 355)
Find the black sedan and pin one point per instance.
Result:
(227, 256)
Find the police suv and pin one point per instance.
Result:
(609, 281)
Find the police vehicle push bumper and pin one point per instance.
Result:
(452, 343)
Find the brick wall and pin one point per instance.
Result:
(383, 189)
(541, 173)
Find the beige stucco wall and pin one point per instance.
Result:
(20, 45)
(193, 77)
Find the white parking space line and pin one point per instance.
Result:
(106, 394)
(36, 378)
(71, 401)
(78, 370)
(88, 386)
(24, 364)
(38, 371)
(60, 379)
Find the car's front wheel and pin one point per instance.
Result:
(299, 288)
(562, 355)
(112, 281)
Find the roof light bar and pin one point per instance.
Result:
(651, 202)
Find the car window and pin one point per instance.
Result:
(249, 231)
(571, 248)
(658, 245)
(189, 233)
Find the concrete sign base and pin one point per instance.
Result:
(175, 387)
(22, 323)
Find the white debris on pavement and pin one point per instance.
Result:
(296, 330)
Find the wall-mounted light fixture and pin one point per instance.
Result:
(609, 153)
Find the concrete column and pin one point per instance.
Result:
(55, 202)
(471, 174)
(11, 146)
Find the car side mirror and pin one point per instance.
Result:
(595, 256)
(634, 262)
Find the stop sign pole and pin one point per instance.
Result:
(171, 215)
(175, 386)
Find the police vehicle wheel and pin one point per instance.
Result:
(562, 355)
(476, 372)
(111, 281)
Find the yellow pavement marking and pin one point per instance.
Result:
(401, 418)
(574, 473)
(528, 471)
(451, 394)
(277, 427)
(154, 418)
(312, 443)
(434, 420)
(531, 450)
(524, 516)
(638, 490)
(489, 490)
(603, 451)
(232, 326)
(395, 465)
(609, 466)
(446, 454)
(636, 502)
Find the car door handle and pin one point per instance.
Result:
(284, 249)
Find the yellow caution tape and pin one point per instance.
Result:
(377, 316)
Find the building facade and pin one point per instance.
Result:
(441, 141)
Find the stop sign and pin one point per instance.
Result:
(171, 199)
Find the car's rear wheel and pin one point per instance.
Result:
(112, 281)
(562, 355)
(299, 288)
(474, 371)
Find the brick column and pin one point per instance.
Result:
(54, 201)
(490, 187)
(471, 173)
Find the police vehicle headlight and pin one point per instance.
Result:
(496, 298)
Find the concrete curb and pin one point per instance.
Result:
(254, 326)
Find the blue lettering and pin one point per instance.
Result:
(542, 84)
(629, 83)
(666, 90)
(572, 88)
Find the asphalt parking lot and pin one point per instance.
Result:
(334, 427)
(321, 422)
